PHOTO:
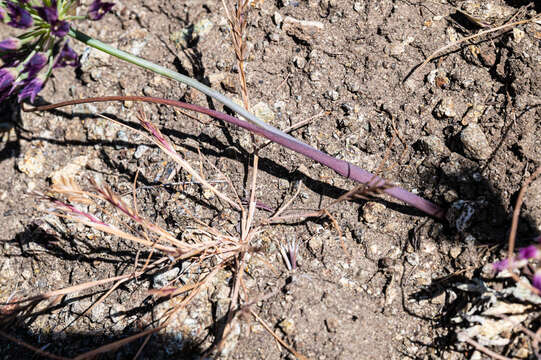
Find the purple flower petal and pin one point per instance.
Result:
(60, 28)
(500, 265)
(529, 252)
(2, 14)
(7, 77)
(49, 13)
(10, 44)
(35, 64)
(19, 17)
(98, 9)
(31, 89)
(67, 56)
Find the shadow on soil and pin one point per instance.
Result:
(487, 233)
(71, 345)
(63, 342)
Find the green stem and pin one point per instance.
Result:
(178, 77)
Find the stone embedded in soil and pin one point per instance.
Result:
(32, 163)
(460, 214)
(287, 326)
(70, 170)
(475, 142)
(162, 279)
(315, 243)
(141, 149)
(445, 109)
(473, 114)
(263, 112)
(434, 144)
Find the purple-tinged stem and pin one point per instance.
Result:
(342, 167)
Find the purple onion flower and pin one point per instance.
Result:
(10, 44)
(28, 59)
(98, 9)
(529, 252)
(49, 13)
(31, 89)
(19, 17)
(66, 57)
(7, 77)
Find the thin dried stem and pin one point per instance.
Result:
(468, 38)
(282, 342)
(516, 213)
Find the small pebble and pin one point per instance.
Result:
(332, 95)
(372, 211)
(141, 149)
(315, 76)
(287, 326)
(455, 251)
(445, 109)
(475, 142)
(277, 19)
(299, 62)
(162, 279)
(32, 162)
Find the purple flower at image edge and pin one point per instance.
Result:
(98, 9)
(31, 89)
(20, 18)
(66, 57)
(501, 265)
(529, 252)
(7, 78)
(58, 27)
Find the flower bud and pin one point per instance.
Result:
(10, 44)
(31, 88)
(7, 77)
(98, 9)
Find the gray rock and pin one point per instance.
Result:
(332, 95)
(434, 145)
(475, 142)
(141, 149)
(162, 279)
